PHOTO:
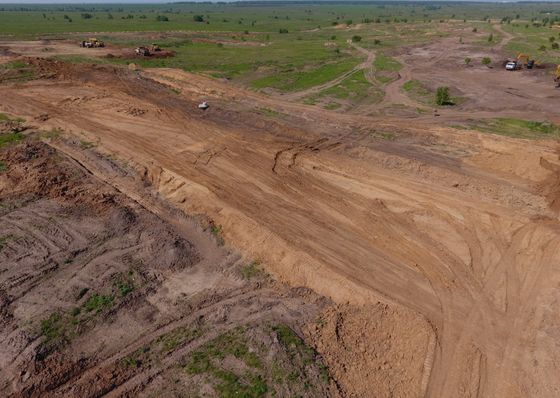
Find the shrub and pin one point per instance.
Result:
(554, 46)
(467, 61)
(356, 38)
(443, 97)
(198, 18)
(486, 61)
(162, 18)
(282, 30)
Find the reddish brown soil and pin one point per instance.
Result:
(443, 241)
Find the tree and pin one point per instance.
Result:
(467, 61)
(491, 37)
(475, 30)
(198, 18)
(486, 61)
(551, 39)
(282, 30)
(443, 97)
(356, 38)
(542, 48)
(554, 46)
(376, 42)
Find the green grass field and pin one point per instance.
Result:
(283, 46)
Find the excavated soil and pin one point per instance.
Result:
(439, 245)
(103, 295)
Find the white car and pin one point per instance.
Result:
(203, 105)
(511, 66)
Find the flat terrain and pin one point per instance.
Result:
(402, 248)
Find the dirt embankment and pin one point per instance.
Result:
(446, 225)
(106, 289)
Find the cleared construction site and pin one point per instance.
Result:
(178, 233)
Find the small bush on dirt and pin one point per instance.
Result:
(98, 302)
(467, 61)
(443, 97)
(554, 46)
(3, 167)
(356, 38)
(198, 18)
(252, 270)
(216, 230)
(486, 61)
(86, 144)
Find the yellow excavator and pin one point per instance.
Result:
(557, 77)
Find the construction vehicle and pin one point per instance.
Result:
(143, 51)
(92, 42)
(521, 61)
(557, 77)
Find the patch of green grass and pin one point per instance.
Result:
(52, 328)
(98, 303)
(10, 138)
(355, 89)
(293, 343)
(419, 92)
(296, 80)
(3, 166)
(86, 144)
(177, 337)
(208, 359)
(16, 72)
(386, 63)
(252, 270)
(518, 128)
(217, 231)
(18, 64)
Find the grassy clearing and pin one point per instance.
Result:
(386, 63)
(518, 128)
(419, 92)
(354, 90)
(296, 80)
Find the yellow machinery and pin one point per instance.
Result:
(522, 58)
(557, 77)
(92, 42)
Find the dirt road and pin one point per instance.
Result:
(453, 225)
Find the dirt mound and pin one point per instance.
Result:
(365, 347)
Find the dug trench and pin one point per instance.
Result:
(437, 246)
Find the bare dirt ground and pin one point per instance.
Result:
(44, 48)
(455, 232)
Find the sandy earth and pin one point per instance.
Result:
(443, 243)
